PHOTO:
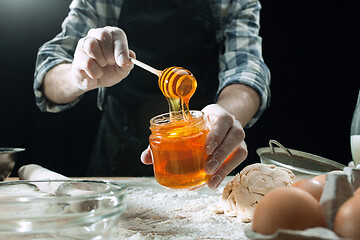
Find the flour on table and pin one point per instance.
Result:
(157, 213)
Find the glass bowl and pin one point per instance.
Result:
(60, 209)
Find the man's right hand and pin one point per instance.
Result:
(101, 59)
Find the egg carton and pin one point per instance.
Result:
(338, 188)
(318, 233)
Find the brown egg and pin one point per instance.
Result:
(347, 219)
(287, 208)
(312, 186)
(357, 191)
(322, 178)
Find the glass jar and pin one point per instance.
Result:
(178, 150)
(355, 133)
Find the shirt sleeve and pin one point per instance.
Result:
(83, 15)
(241, 59)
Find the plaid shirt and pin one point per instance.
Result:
(237, 23)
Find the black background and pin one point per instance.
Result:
(311, 48)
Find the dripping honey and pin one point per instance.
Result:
(178, 150)
(178, 85)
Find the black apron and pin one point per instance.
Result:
(163, 33)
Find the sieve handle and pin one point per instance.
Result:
(271, 142)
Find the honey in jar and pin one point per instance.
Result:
(178, 150)
(178, 138)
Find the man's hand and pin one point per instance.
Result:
(101, 59)
(224, 144)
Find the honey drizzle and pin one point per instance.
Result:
(178, 85)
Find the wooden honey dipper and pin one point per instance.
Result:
(176, 83)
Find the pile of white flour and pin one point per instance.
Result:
(156, 213)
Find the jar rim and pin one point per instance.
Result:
(164, 119)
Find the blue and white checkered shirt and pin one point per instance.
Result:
(237, 33)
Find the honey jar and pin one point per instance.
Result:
(178, 150)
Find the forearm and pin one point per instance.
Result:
(241, 101)
(58, 86)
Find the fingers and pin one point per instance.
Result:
(92, 48)
(146, 156)
(132, 54)
(84, 62)
(229, 140)
(121, 49)
(113, 44)
(226, 132)
(235, 158)
(126, 68)
(224, 144)
(220, 122)
(104, 46)
(103, 49)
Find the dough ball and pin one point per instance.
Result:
(242, 194)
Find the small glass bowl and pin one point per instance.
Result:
(60, 209)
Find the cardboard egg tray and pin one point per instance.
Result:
(338, 188)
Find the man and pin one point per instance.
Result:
(93, 51)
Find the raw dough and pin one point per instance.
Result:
(242, 194)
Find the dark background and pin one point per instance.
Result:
(311, 48)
